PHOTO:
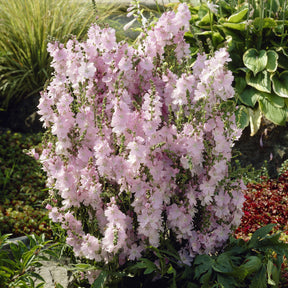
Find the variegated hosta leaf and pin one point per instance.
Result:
(274, 114)
(261, 81)
(272, 62)
(242, 117)
(249, 96)
(255, 60)
(280, 84)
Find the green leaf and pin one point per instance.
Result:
(283, 58)
(255, 60)
(203, 264)
(240, 84)
(223, 264)
(259, 280)
(249, 96)
(242, 117)
(255, 116)
(270, 269)
(274, 114)
(275, 100)
(205, 21)
(251, 265)
(37, 276)
(261, 81)
(226, 281)
(235, 26)
(259, 234)
(262, 23)
(237, 17)
(280, 84)
(100, 281)
(82, 267)
(272, 62)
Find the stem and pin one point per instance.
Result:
(283, 27)
(94, 6)
(247, 26)
(261, 14)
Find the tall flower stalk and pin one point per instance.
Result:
(138, 145)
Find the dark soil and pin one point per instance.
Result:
(269, 144)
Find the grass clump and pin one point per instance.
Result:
(26, 26)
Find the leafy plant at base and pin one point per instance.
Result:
(18, 262)
(25, 28)
(256, 36)
(255, 263)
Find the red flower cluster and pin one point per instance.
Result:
(265, 203)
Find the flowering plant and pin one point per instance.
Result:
(138, 144)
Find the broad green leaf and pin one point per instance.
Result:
(222, 265)
(261, 81)
(255, 120)
(249, 96)
(237, 17)
(255, 60)
(259, 280)
(260, 23)
(100, 281)
(272, 113)
(203, 265)
(272, 62)
(280, 84)
(235, 26)
(260, 234)
(283, 58)
(240, 84)
(242, 117)
(251, 265)
(275, 100)
(205, 21)
(226, 281)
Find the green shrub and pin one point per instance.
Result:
(25, 28)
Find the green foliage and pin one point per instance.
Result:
(25, 28)
(256, 36)
(17, 263)
(253, 263)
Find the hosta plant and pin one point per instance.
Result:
(138, 146)
(255, 33)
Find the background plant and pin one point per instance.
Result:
(18, 262)
(22, 185)
(266, 202)
(256, 35)
(25, 28)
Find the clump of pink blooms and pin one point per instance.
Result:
(138, 144)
